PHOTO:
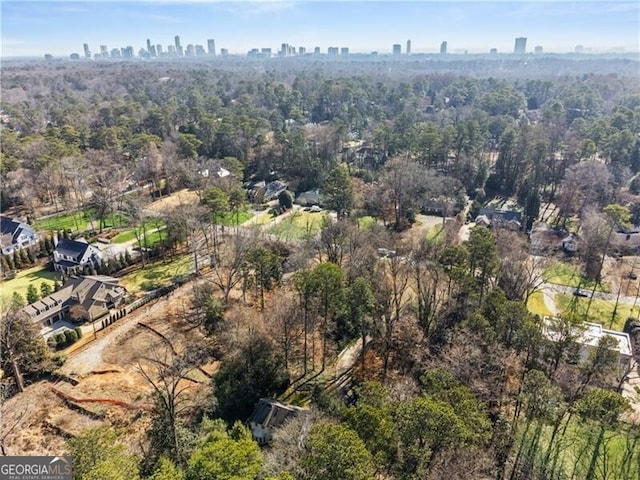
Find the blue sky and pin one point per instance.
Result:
(61, 27)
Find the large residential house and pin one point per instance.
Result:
(270, 415)
(589, 338)
(71, 256)
(95, 295)
(15, 235)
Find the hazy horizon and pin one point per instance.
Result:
(31, 29)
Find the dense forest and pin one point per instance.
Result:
(454, 377)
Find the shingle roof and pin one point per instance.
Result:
(72, 247)
(272, 413)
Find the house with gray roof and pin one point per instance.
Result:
(96, 295)
(15, 235)
(71, 256)
(268, 416)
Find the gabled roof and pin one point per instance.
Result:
(271, 413)
(74, 248)
(10, 228)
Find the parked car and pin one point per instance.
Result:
(579, 293)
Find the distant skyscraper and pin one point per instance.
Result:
(191, 52)
(74, 56)
(104, 53)
(521, 46)
(266, 52)
(158, 50)
(211, 47)
(200, 52)
(493, 51)
(149, 46)
(171, 50)
(224, 52)
(87, 52)
(302, 50)
(178, 46)
(408, 47)
(537, 50)
(333, 50)
(397, 49)
(344, 51)
(115, 53)
(316, 50)
(443, 48)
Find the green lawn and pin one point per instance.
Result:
(79, 221)
(130, 235)
(366, 221)
(157, 275)
(566, 274)
(537, 306)
(231, 219)
(436, 233)
(601, 311)
(576, 450)
(35, 275)
(299, 225)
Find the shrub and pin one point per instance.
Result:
(71, 337)
(78, 331)
(61, 340)
(52, 342)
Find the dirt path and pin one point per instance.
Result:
(90, 357)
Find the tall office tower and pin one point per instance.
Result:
(266, 52)
(397, 49)
(149, 46)
(408, 47)
(191, 51)
(115, 53)
(521, 46)
(200, 52)
(171, 50)
(211, 47)
(87, 52)
(333, 50)
(316, 50)
(443, 48)
(104, 53)
(344, 51)
(158, 50)
(178, 46)
(152, 52)
(224, 52)
(302, 50)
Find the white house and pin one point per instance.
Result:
(71, 256)
(590, 337)
(15, 235)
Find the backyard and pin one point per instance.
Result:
(299, 225)
(78, 221)
(601, 311)
(562, 273)
(20, 284)
(157, 275)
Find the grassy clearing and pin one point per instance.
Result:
(230, 219)
(79, 221)
(366, 221)
(130, 235)
(436, 233)
(566, 274)
(299, 225)
(20, 284)
(262, 218)
(157, 275)
(537, 306)
(601, 311)
(618, 456)
(76, 222)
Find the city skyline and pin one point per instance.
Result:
(62, 27)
